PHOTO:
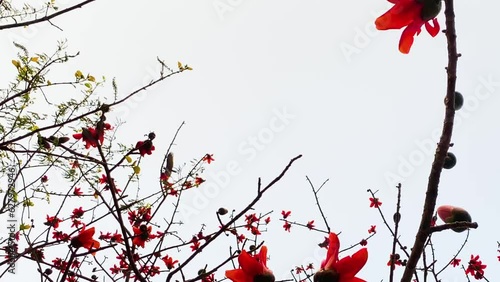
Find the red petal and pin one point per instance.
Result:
(407, 36)
(332, 256)
(403, 13)
(238, 275)
(249, 264)
(349, 266)
(263, 255)
(432, 30)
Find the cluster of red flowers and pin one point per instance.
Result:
(253, 268)
(139, 220)
(252, 219)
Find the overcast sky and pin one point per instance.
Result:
(274, 79)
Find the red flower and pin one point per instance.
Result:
(310, 224)
(60, 236)
(240, 238)
(286, 214)
(375, 203)
(77, 213)
(89, 136)
(476, 267)
(287, 226)
(455, 262)
(145, 147)
(77, 191)
(84, 239)
(413, 14)
(267, 220)
(372, 229)
(169, 262)
(44, 179)
(52, 221)
(208, 278)
(208, 158)
(252, 268)
(198, 181)
(141, 235)
(103, 179)
(195, 246)
(254, 230)
(344, 270)
(394, 260)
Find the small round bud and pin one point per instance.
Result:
(48, 271)
(222, 211)
(459, 100)
(450, 161)
(151, 136)
(202, 271)
(396, 217)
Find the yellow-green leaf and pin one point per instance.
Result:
(16, 63)
(137, 169)
(23, 227)
(34, 59)
(128, 158)
(90, 78)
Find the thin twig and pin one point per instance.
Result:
(315, 192)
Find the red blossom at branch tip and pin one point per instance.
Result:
(375, 203)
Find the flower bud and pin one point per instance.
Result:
(430, 9)
(222, 211)
(451, 214)
(459, 100)
(449, 161)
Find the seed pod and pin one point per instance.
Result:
(170, 164)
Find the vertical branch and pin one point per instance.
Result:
(397, 218)
(442, 149)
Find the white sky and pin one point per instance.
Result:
(356, 117)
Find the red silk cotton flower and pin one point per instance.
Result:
(85, 239)
(252, 268)
(344, 270)
(413, 14)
